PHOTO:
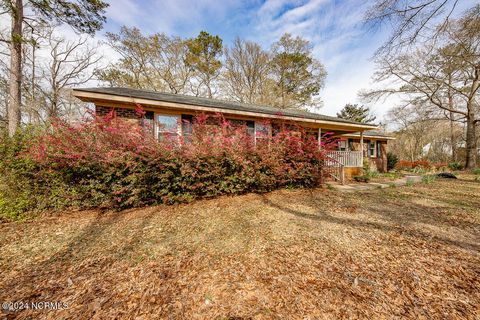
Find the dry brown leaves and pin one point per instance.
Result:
(409, 252)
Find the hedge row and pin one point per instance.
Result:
(109, 163)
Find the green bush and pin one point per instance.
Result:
(455, 166)
(15, 186)
(429, 178)
(392, 161)
(476, 171)
(366, 165)
(372, 174)
(420, 170)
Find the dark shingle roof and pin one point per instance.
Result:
(213, 103)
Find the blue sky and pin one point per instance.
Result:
(334, 27)
(340, 40)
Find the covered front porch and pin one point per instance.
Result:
(344, 162)
(353, 151)
(348, 154)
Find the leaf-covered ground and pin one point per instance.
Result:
(405, 252)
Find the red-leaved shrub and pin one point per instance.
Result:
(407, 165)
(112, 163)
(404, 165)
(425, 164)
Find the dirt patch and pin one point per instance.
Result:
(405, 252)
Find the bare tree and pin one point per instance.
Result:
(15, 42)
(69, 64)
(32, 104)
(447, 78)
(246, 71)
(409, 20)
(132, 68)
(421, 135)
(412, 131)
(154, 62)
(168, 62)
(4, 85)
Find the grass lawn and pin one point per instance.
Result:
(405, 252)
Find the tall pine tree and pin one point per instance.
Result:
(356, 113)
(86, 16)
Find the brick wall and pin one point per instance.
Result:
(383, 164)
(378, 163)
(120, 112)
(128, 114)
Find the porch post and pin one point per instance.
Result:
(361, 144)
(319, 138)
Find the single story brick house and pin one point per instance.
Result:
(168, 113)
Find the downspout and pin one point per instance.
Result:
(361, 143)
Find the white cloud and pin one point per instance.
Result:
(125, 12)
(339, 42)
(182, 16)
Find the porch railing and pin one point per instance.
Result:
(336, 171)
(347, 158)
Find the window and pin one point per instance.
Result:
(350, 145)
(262, 132)
(371, 149)
(167, 126)
(235, 123)
(187, 129)
(147, 122)
(257, 130)
(379, 149)
(342, 144)
(251, 128)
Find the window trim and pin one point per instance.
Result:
(156, 127)
(268, 127)
(374, 153)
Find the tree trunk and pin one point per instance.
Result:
(453, 140)
(453, 143)
(33, 105)
(15, 101)
(471, 143)
(209, 90)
